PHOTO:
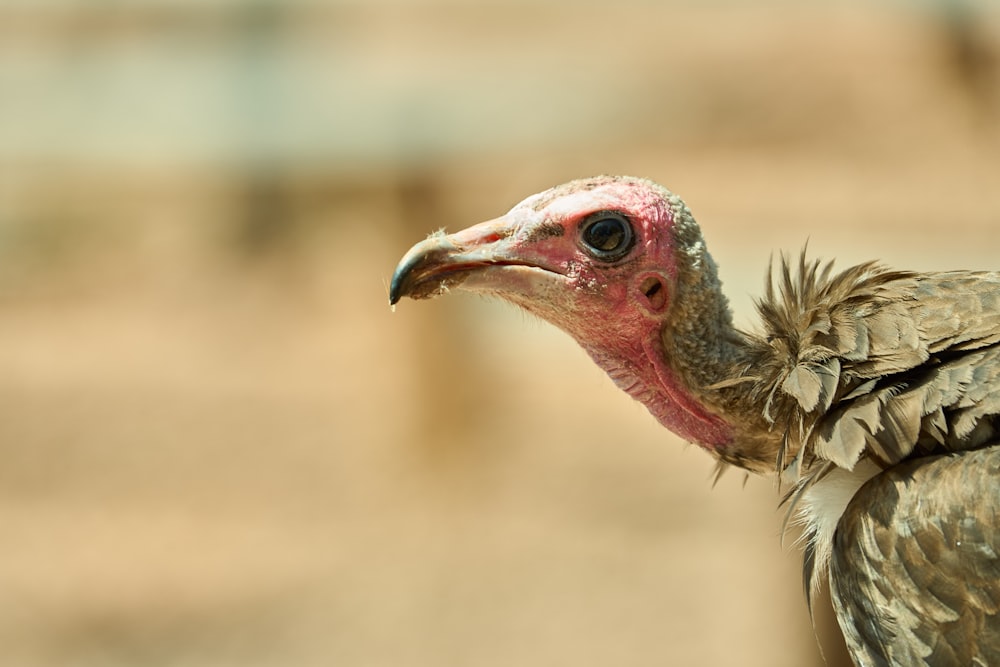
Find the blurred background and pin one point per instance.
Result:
(218, 446)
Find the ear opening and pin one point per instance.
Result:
(650, 287)
(653, 290)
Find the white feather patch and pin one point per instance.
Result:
(823, 504)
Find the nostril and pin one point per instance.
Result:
(653, 289)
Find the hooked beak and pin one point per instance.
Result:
(442, 261)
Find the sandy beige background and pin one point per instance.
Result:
(218, 446)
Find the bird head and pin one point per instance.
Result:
(616, 262)
(596, 257)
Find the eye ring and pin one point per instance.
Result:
(606, 235)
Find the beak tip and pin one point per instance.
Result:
(399, 286)
(409, 270)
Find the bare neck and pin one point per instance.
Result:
(652, 382)
(673, 370)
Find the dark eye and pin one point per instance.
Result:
(606, 235)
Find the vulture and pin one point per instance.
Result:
(873, 394)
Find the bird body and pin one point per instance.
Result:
(873, 393)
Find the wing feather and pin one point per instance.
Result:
(915, 564)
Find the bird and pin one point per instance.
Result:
(871, 394)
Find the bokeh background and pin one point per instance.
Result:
(218, 446)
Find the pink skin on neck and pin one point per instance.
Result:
(681, 413)
(643, 373)
(604, 309)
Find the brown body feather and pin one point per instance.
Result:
(893, 368)
(876, 363)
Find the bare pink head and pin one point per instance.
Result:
(606, 259)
